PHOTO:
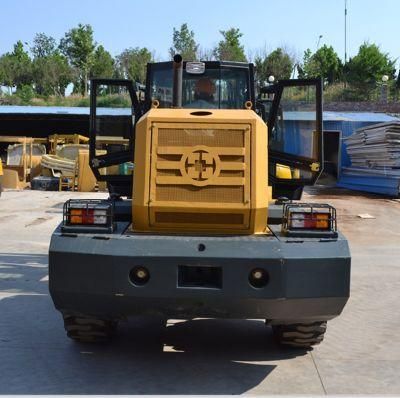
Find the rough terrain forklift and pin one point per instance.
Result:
(201, 220)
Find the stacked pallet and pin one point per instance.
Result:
(375, 147)
(374, 152)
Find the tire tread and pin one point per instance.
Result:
(303, 335)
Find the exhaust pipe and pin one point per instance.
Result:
(177, 82)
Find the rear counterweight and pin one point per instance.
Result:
(199, 276)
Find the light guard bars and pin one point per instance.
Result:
(88, 216)
(311, 220)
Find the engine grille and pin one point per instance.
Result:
(204, 165)
(209, 137)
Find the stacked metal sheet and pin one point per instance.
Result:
(374, 152)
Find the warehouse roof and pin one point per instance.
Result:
(293, 115)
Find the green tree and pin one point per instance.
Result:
(302, 73)
(205, 54)
(103, 64)
(230, 49)
(132, 63)
(278, 64)
(396, 88)
(78, 45)
(52, 74)
(51, 71)
(7, 71)
(43, 45)
(25, 93)
(366, 69)
(183, 43)
(16, 68)
(21, 66)
(323, 63)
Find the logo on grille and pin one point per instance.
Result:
(200, 165)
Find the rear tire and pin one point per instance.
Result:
(303, 335)
(84, 329)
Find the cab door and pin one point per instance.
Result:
(295, 136)
(114, 110)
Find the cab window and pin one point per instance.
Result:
(221, 88)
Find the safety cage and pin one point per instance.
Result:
(309, 220)
(88, 216)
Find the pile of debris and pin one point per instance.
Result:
(59, 162)
(374, 152)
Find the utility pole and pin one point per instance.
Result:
(345, 40)
(345, 31)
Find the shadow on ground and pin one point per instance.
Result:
(148, 356)
(332, 191)
(22, 273)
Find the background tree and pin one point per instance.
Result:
(103, 64)
(43, 45)
(323, 63)
(7, 72)
(78, 45)
(132, 63)
(278, 64)
(230, 49)
(51, 72)
(183, 43)
(396, 88)
(365, 70)
(21, 66)
(205, 54)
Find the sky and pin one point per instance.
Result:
(293, 24)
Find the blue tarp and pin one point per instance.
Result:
(375, 184)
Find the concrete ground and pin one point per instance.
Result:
(360, 354)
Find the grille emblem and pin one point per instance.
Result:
(200, 165)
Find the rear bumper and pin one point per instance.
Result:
(89, 274)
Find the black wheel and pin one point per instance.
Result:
(303, 335)
(85, 329)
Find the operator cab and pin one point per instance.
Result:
(292, 110)
(205, 85)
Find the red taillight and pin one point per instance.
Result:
(309, 219)
(304, 220)
(87, 216)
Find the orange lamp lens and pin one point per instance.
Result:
(322, 221)
(75, 216)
